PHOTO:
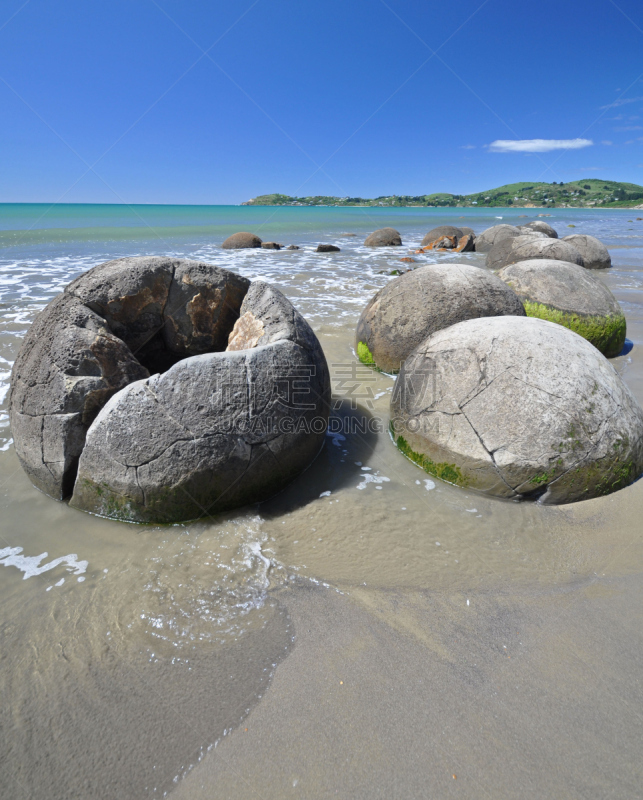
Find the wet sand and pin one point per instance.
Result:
(417, 694)
(375, 631)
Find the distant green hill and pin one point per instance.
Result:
(588, 193)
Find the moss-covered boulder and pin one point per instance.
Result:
(517, 408)
(571, 296)
(595, 254)
(402, 314)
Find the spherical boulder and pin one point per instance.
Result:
(541, 227)
(241, 241)
(466, 231)
(594, 253)
(384, 237)
(440, 232)
(571, 296)
(86, 415)
(521, 248)
(402, 314)
(487, 239)
(518, 408)
(525, 231)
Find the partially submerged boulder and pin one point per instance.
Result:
(440, 232)
(541, 227)
(452, 244)
(487, 239)
(408, 309)
(595, 254)
(571, 296)
(327, 248)
(520, 248)
(518, 408)
(241, 241)
(271, 246)
(89, 354)
(384, 237)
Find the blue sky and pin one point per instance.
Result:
(195, 101)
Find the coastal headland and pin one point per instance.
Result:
(589, 193)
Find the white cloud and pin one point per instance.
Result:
(537, 145)
(607, 142)
(622, 101)
(468, 147)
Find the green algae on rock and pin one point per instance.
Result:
(517, 407)
(572, 296)
(364, 354)
(446, 472)
(607, 334)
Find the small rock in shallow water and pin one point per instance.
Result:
(241, 241)
(271, 246)
(327, 248)
(385, 237)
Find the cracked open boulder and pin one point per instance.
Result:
(518, 408)
(571, 296)
(448, 237)
(160, 389)
(402, 314)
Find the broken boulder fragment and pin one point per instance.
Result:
(237, 406)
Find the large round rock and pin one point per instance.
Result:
(384, 237)
(402, 314)
(594, 253)
(94, 348)
(487, 239)
(241, 241)
(520, 248)
(518, 408)
(571, 296)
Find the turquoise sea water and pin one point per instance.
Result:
(25, 224)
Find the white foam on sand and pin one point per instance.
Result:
(31, 565)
